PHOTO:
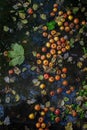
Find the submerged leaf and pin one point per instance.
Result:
(75, 10)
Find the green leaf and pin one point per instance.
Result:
(22, 15)
(16, 55)
(34, 53)
(85, 87)
(75, 10)
(66, 99)
(6, 29)
(24, 69)
(40, 77)
(33, 68)
(53, 60)
(72, 42)
(51, 25)
(84, 50)
(18, 60)
(24, 21)
(18, 49)
(43, 16)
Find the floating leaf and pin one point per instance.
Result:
(51, 25)
(79, 64)
(24, 69)
(34, 53)
(53, 60)
(22, 15)
(43, 16)
(26, 4)
(85, 87)
(75, 10)
(78, 109)
(47, 104)
(6, 29)
(35, 7)
(66, 99)
(84, 127)
(85, 50)
(18, 60)
(33, 68)
(81, 43)
(1, 122)
(81, 30)
(29, 1)
(25, 21)
(16, 55)
(14, 19)
(69, 126)
(72, 42)
(40, 77)
(36, 82)
(17, 97)
(15, 7)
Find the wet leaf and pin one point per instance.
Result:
(51, 25)
(1, 123)
(78, 109)
(47, 104)
(81, 43)
(85, 87)
(14, 19)
(16, 55)
(15, 7)
(84, 127)
(35, 7)
(43, 16)
(53, 60)
(69, 126)
(36, 82)
(34, 53)
(26, 4)
(66, 99)
(79, 64)
(75, 10)
(17, 98)
(72, 42)
(6, 29)
(33, 68)
(62, 103)
(40, 77)
(81, 30)
(25, 21)
(22, 15)
(29, 1)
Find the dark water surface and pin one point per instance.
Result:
(22, 84)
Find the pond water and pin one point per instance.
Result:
(43, 64)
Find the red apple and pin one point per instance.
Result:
(57, 119)
(57, 111)
(46, 76)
